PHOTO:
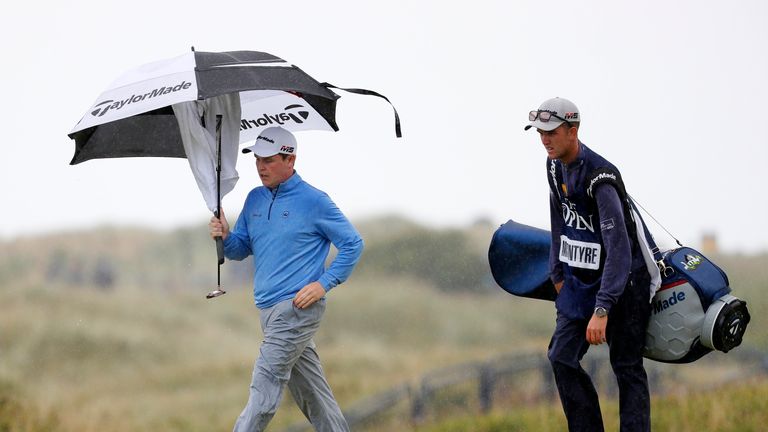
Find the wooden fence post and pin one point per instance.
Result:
(486, 388)
(419, 404)
(548, 386)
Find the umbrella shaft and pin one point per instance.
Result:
(219, 119)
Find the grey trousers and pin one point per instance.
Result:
(288, 356)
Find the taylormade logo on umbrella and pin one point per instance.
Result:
(103, 107)
(277, 119)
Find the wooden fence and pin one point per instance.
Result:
(526, 378)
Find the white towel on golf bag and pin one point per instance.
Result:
(200, 142)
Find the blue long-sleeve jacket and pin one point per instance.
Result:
(289, 231)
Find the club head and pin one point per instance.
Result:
(215, 293)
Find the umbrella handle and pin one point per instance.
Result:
(219, 240)
(219, 244)
(220, 249)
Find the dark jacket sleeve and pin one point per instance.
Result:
(618, 254)
(556, 227)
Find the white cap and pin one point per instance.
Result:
(271, 141)
(560, 107)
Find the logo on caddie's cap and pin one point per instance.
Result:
(571, 116)
(560, 110)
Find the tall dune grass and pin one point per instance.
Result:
(152, 354)
(740, 407)
(140, 359)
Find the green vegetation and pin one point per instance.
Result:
(19, 415)
(174, 361)
(735, 408)
(108, 330)
(441, 258)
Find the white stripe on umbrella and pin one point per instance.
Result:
(280, 64)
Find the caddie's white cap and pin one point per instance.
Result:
(562, 108)
(271, 141)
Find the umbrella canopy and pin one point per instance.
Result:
(167, 109)
(273, 92)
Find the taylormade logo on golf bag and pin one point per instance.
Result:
(103, 107)
(280, 119)
(662, 305)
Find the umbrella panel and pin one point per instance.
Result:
(152, 134)
(156, 133)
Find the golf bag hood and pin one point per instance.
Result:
(519, 258)
(692, 314)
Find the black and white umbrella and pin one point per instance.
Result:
(201, 106)
(168, 108)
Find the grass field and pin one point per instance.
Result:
(140, 357)
(734, 408)
(174, 361)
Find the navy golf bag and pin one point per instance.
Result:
(692, 314)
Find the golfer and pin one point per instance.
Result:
(288, 227)
(599, 265)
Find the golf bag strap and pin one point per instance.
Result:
(398, 132)
(654, 248)
(606, 175)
